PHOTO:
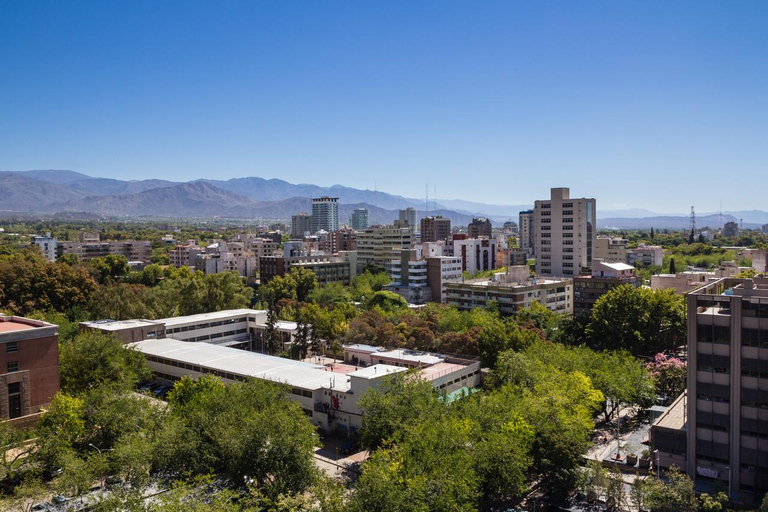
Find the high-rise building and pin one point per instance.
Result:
(47, 245)
(727, 409)
(301, 225)
(479, 227)
(325, 214)
(563, 234)
(434, 229)
(407, 218)
(526, 231)
(378, 245)
(359, 218)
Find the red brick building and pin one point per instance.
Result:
(29, 365)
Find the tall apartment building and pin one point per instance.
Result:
(476, 255)
(301, 225)
(526, 231)
(442, 270)
(406, 218)
(479, 227)
(185, 255)
(727, 409)
(377, 245)
(434, 229)
(359, 218)
(341, 240)
(564, 234)
(29, 365)
(325, 214)
(731, 229)
(47, 245)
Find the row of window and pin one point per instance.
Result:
(215, 335)
(186, 328)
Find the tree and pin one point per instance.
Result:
(111, 266)
(387, 301)
(639, 320)
(304, 282)
(676, 496)
(672, 269)
(69, 259)
(764, 504)
(669, 374)
(93, 359)
(652, 234)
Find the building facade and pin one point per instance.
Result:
(378, 245)
(440, 271)
(610, 250)
(525, 229)
(477, 255)
(359, 218)
(479, 227)
(564, 234)
(301, 225)
(727, 409)
(325, 214)
(435, 229)
(604, 278)
(29, 366)
(47, 245)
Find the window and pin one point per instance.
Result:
(568, 219)
(12, 346)
(567, 205)
(12, 366)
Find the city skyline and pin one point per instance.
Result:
(640, 106)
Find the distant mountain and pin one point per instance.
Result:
(26, 194)
(59, 177)
(184, 200)
(107, 186)
(670, 222)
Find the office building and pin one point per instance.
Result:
(377, 245)
(435, 229)
(29, 366)
(727, 409)
(301, 225)
(512, 291)
(525, 229)
(479, 227)
(325, 214)
(564, 234)
(359, 218)
(406, 219)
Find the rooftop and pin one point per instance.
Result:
(203, 317)
(17, 323)
(674, 418)
(117, 325)
(376, 370)
(247, 364)
(412, 356)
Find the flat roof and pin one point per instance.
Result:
(203, 317)
(674, 417)
(617, 266)
(116, 325)
(376, 370)
(363, 348)
(413, 356)
(247, 364)
(16, 323)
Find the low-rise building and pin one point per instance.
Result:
(512, 291)
(605, 277)
(329, 268)
(645, 255)
(682, 282)
(611, 250)
(29, 366)
(185, 255)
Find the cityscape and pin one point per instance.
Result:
(193, 316)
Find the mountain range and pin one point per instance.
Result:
(64, 191)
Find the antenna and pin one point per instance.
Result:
(434, 196)
(426, 213)
(721, 213)
(693, 220)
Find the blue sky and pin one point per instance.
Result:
(651, 104)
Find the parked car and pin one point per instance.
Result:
(349, 445)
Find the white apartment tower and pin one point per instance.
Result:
(325, 214)
(526, 231)
(564, 234)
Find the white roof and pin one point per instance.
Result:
(248, 364)
(117, 325)
(411, 355)
(363, 348)
(207, 317)
(376, 371)
(617, 266)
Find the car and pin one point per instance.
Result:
(58, 500)
(160, 389)
(144, 388)
(349, 445)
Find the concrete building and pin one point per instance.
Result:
(436, 249)
(682, 282)
(526, 240)
(440, 271)
(435, 229)
(645, 255)
(479, 227)
(325, 214)
(564, 234)
(301, 225)
(329, 268)
(29, 362)
(327, 394)
(476, 254)
(604, 277)
(47, 245)
(133, 250)
(409, 277)
(359, 218)
(511, 257)
(377, 245)
(731, 229)
(185, 255)
(342, 240)
(406, 219)
(512, 291)
(759, 259)
(727, 409)
(610, 250)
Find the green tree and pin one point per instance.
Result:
(69, 259)
(93, 359)
(639, 320)
(387, 301)
(112, 266)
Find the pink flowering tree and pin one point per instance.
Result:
(668, 373)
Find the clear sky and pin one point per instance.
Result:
(649, 104)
